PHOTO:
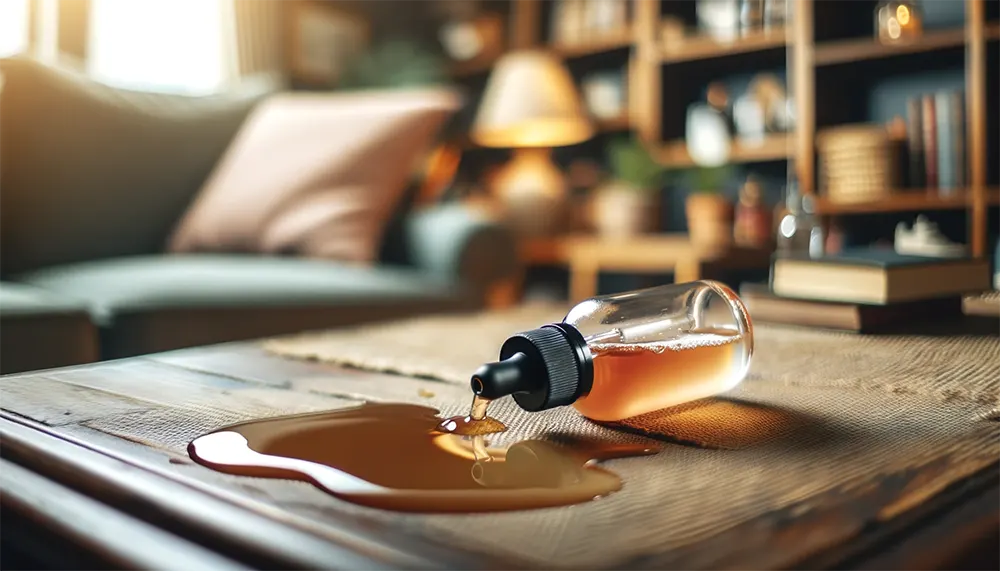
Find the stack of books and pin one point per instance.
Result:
(864, 290)
(935, 135)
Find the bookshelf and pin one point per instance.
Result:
(597, 45)
(909, 200)
(774, 147)
(645, 58)
(852, 50)
(694, 49)
(840, 57)
(841, 49)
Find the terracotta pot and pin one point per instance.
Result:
(620, 211)
(709, 219)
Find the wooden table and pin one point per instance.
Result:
(587, 256)
(76, 495)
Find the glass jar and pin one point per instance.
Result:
(627, 354)
(800, 232)
(897, 21)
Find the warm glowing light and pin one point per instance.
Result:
(903, 15)
(892, 27)
(530, 101)
(13, 27)
(161, 45)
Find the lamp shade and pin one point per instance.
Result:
(530, 101)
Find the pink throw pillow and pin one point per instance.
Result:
(316, 175)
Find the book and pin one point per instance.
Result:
(914, 144)
(945, 147)
(986, 304)
(876, 276)
(929, 124)
(957, 115)
(766, 307)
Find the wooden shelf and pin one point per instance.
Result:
(906, 201)
(611, 125)
(706, 47)
(471, 68)
(993, 30)
(775, 147)
(846, 51)
(596, 45)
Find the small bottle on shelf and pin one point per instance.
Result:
(752, 221)
(627, 354)
(799, 232)
(751, 16)
(898, 21)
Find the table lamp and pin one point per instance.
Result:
(531, 105)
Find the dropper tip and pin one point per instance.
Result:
(477, 385)
(500, 378)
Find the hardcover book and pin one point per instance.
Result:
(767, 307)
(877, 276)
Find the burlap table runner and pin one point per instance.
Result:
(857, 438)
(448, 348)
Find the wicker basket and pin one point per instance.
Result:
(857, 163)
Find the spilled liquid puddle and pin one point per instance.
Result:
(403, 457)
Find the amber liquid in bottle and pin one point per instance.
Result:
(631, 379)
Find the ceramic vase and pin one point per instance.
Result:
(620, 210)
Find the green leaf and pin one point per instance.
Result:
(396, 64)
(630, 162)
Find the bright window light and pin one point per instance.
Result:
(180, 46)
(13, 27)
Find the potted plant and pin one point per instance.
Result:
(623, 206)
(709, 214)
(395, 64)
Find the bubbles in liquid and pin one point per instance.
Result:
(693, 340)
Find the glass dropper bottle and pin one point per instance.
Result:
(617, 356)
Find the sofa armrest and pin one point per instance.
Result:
(461, 243)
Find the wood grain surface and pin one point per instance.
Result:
(116, 432)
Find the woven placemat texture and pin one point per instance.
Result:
(443, 347)
(449, 348)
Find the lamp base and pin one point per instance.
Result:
(532, 192)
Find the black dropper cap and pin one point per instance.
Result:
(543, 368)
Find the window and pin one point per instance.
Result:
(13, 27)
(180, 46)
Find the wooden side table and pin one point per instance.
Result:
(587, 256)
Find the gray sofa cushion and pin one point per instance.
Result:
(460, 242)
(20, 300)
(89, 171)
(157, 303)
(41, 330)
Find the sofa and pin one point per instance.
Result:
(92, 181)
